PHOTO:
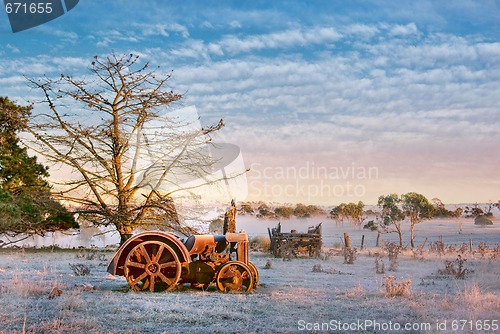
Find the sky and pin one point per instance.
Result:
(329, 101)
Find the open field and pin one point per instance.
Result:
(338, 297)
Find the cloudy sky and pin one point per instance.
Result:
(329, 101)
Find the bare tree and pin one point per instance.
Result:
(128, 150)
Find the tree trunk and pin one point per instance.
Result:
(412, 230)
(125, 232)
(124, 237)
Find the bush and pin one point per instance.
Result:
(379, 266)
(302, 210)
(216, 226)
(283, 211)
(459, 272)
(80, 269)
(349, 255)
(260, 243)
(396, 289)
(246, 209)
(371, 225)
(393, 251)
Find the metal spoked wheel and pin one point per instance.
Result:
(152, 266)
(235, 276)
(255, 273)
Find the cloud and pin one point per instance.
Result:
(161, 29)
(403, 30)
(12, 48)
(281, 39)
(235, 24)
(64, 35)
(362, 31)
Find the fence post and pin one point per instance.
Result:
(347, 240)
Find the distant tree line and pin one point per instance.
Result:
(264, 210)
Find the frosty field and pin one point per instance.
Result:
(336, 298)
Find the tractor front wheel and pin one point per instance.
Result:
(235, 276)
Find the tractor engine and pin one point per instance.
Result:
(207, 255)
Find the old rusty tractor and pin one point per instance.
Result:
(160, 261)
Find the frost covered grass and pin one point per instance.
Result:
(291, 293)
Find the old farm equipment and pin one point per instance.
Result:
(160, 261)
(287, 244)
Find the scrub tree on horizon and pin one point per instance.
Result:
(129, 152)
(417, 208)
(392, 214)
(353, 212)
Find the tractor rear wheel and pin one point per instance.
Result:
(152, 266)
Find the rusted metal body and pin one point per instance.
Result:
(294, 244)
(159, 261)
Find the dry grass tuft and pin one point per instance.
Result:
(71, 301)
(356, 292)
(24, 288)
(476, 299)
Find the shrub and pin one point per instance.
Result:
(317, 268)
(371, 225)
(216, 226)
(246, 209)
(393, 251)
(396, 289)
(260, 243)
(80, 269)
(438, 247)
(482, 248)
(459, 272)
(283, 211)
(349, 255)
(379, 266)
